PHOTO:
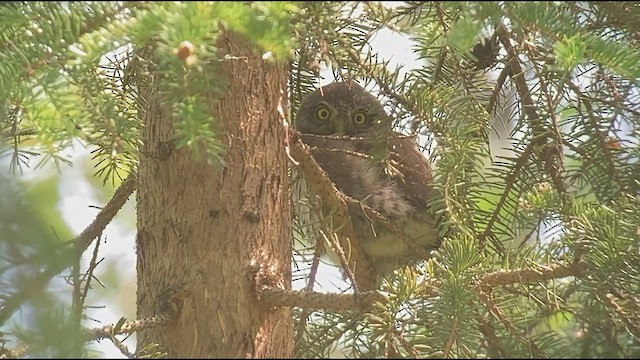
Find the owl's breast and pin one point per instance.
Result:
(353, 172)
(388, 250)
(347, 170)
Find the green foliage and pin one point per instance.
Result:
(82, 78)
(185, 58)
(463, 35)
(562, 192)
(570, 52)
(78, 72)
(265, 24)
(29, 224)
(31, 235)
(535, 154)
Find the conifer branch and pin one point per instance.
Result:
(597, 134)
(551, 151)
(308, 299)
(406, 344)
(531, 275)
(110, 331)
(122, 347)
(169, 304)
(127, 327)
(334, 241)
(314, 300)
(510, 183)
(169, 301)
(500, 315)
(67, 257)
(495, 348)
(319, 250)
(104, 217)
(630, 320)
(493, 100)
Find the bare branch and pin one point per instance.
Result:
(122, 347)
(127, 327)
(526, 276)
(169, 304)
(333, 202)
(309, 287)
(500, 315)
(551, 151)
(104, 217)
(308, 299)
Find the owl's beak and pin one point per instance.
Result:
(342, 124)
(339, 127)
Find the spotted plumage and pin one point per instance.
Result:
(356, 138)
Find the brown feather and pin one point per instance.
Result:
(414, 176)
(396, 185)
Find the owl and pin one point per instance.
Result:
(350, 136)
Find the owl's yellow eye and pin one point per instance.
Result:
(323, 113)
(359, 118)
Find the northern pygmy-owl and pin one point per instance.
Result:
(354, 123)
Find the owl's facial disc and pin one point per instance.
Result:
(343, 121)
(334, 119)
(340, 108)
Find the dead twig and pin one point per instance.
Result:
(334, 202)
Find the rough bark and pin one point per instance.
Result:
(200, 226)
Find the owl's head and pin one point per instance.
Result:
(340, 108)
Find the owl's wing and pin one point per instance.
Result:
(410, 169)
(414, 177)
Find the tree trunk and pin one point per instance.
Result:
(200, 225)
